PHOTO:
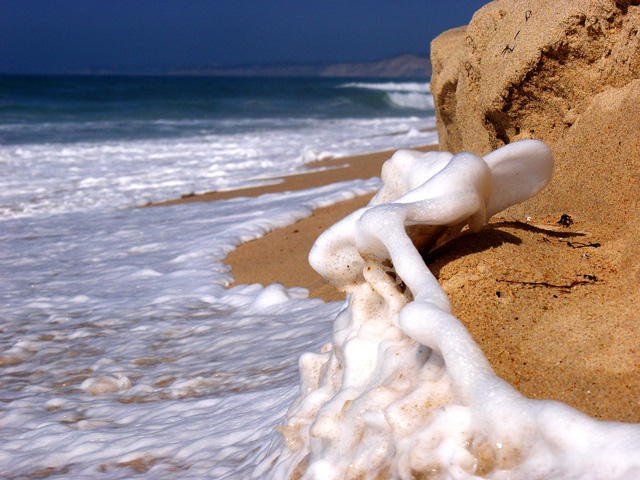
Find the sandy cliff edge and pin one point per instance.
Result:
(553, 307)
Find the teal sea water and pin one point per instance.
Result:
(81, 108)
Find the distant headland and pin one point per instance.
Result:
(400, 66)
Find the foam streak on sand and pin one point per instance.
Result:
(403, 391)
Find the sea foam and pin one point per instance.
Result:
(122, 354)
(59, 177)
(402, 390)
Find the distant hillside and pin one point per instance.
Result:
(407, 65)
(403, 66)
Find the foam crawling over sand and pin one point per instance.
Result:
(403, 391)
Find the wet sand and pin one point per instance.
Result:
(553, 304)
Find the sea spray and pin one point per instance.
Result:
(403, 391)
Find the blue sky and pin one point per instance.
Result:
(48, 36)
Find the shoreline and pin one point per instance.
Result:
(364, 166)
(544, 302)
(282, 255)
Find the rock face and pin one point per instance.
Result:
(566, 72)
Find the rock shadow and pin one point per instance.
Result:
(491, 236)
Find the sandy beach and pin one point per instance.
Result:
(195, 339)
(543, 295)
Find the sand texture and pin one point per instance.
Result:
(547, 306)
(564, 72)
(282, 255)
(565, 323)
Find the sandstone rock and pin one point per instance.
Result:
(566, 72)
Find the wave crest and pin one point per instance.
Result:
(415, 100)
(391, 86)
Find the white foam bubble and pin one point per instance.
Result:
(403, 391)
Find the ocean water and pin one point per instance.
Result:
(72, 143)
(122, 355)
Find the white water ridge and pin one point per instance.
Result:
(51, 177)
(414, 95)
(391, 86)
(402, 391)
